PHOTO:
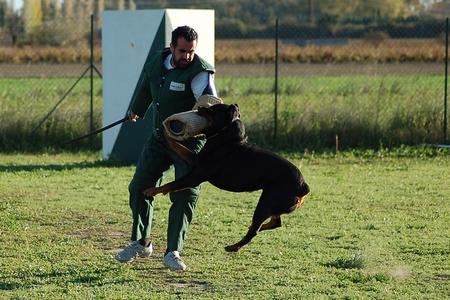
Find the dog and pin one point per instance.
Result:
(228, 162)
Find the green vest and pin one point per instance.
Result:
(168, 91)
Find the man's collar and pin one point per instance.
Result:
(168, 62)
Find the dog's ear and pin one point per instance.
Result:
(233, 111)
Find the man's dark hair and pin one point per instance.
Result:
(188, 33)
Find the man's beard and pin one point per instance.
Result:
(181, 63)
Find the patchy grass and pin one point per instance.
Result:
(356, 261)
(374, 226)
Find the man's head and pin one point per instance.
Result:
(183, 44)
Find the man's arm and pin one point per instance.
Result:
(142, 97)
(203, 84)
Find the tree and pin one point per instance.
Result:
(120, 4)
(68, 8)
(32, 15)
(99, 6)
(373, 9)
(51, 9)
(3, 13)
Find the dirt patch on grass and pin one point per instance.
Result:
(400, 272)
(203, 285)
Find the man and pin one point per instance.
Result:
(170, 83)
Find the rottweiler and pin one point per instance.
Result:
(228, 162)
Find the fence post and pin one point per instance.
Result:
(91, 62)
(275, 121)
(446, 81)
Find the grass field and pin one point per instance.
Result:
(363, 111)
(375, 226)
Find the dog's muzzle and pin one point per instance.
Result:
(185, 125)
(189, 124)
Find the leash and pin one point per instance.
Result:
(124, 119)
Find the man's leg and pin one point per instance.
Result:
(152, 163)
(180, 215)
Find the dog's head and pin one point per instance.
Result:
(223, 119)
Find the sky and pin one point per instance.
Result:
(17, 4)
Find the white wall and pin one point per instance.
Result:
(127, 38)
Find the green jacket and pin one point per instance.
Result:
(168, 91)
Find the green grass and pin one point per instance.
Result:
(26, 102)
(375, 226)
(362, 111)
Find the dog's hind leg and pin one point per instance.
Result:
(275, 222)
(259, 216)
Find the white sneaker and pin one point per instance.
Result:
(173, 261)
(133, 250)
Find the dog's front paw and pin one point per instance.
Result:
(232, 248)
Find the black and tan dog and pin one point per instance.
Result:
(229, 163)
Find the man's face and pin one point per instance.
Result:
(183, 53)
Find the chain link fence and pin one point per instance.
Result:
(297, 87)
(46, 83)
(370, 89)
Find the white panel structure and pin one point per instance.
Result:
(128, 38)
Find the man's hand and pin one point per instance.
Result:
(150, 192)
(132, 116)
(153, 191)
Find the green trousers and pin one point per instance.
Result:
(155, 159)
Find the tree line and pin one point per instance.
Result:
(64, 21)
(54, 21)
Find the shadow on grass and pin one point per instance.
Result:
(183, 283)
(60, 167)
(100, 277)
(7, 286)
